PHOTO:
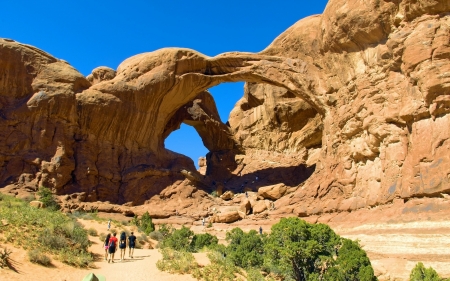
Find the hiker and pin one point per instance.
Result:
(122, 245)
(260, 230)
(246, 194)
(112, 247)
(109, 224)
(131, 244)
(94, 277)
(203, 222)
(106, 245)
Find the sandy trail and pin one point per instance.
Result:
(141, 268)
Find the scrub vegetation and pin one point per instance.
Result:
(294, 250)
(44, 232)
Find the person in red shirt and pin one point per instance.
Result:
(112, 247)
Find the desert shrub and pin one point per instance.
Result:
(36, 256)
(254, 274)
(43, 229)
(165, 229)
(220, 269)
(146, 225)
(176, 262)
(245, 249)
(102, 237)
(199, 241)
(86, 215)
(76, 258)
(421, 273)
(92, 231)
(52, 241)
(4, 257)
(179, 240)
(156, 235)
(46, 197)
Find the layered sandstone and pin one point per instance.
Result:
(353, 109)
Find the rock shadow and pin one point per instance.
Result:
(289, 176)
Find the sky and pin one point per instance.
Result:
(93, 33)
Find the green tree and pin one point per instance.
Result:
(297, 250)
(245, 249)
(145, 224)
(165, 229)
(202, 240)
(353, 262)
(179, 240)
(46, 197)
(421, 273)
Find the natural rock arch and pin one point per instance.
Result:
(157, 84)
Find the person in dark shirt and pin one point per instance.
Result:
(122, 245)
(131, 244)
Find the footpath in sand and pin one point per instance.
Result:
(141, 267)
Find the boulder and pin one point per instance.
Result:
(228, 195)
(227, 217)
(245, 206)
(259, 207)
(273, 192)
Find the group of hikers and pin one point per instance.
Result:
(111, 244)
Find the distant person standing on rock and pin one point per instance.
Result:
(112, 247)
(203, 222)
(131, 244)
(106, 245)
(109, 224)
(122, 245)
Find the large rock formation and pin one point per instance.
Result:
(348, 109)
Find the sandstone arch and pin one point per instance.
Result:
(157, 84)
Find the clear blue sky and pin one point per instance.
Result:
(93, 33)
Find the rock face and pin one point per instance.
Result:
(346, 110)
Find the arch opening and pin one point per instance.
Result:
(271, 136)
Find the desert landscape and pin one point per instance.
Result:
(345, 120)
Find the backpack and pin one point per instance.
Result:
(112, 243)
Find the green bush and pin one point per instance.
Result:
(165, 230)
(76, 258)
(146, 224)
(156, 235)
(245, 249)
(52, 241)
(46, 197)
(179, 240)
(220, 269)
(176, 261)
(421, 273)
(199, 241)
(92, 231)
(36, 256)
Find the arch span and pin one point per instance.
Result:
(149, 88)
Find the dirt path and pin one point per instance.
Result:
(141, 267)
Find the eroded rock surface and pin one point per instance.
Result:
(346, 110)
